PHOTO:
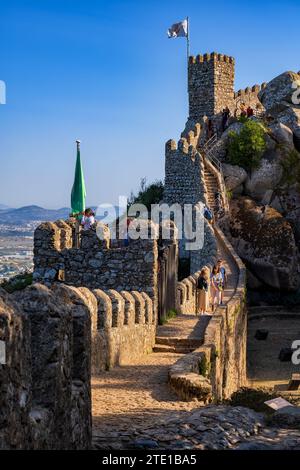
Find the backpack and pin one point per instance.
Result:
(207, 214)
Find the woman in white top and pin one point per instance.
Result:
(88, 219)
(216, 287)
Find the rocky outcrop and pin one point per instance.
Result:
(261, 183)
(279, 93)
(265, 241)
(234, 176)
(287, 202)
(281, 133)
(281, 98)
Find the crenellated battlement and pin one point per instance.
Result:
(249, 90)
(211, 84)
(96, 263)
(184, 147)
(123, 327)
(212, 57)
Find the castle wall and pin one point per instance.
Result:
(249, 96)
(185, 184)
(183, 174)
(211, 85)
(207, 255)
(55, 337)
(218, 368)
(184, 177)
(123, 329)
(95, 265)
(45, 383)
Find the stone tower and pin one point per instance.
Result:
(211, 85)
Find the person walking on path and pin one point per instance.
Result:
(216, 287)
(203, 292)
(224, 278)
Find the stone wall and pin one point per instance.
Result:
(249, 96)
(184, 173)
(218, 368)
(123, 328)
(45, 391)
(208, 254)
(55, 337)
(185, 184)
(211, 84)
(211, 88)
(95, 264)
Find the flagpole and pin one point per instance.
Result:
(77, 225)
(188, 39)
(188, 49)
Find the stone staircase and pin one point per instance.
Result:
(176, 345)
(182, 334)
(212, 187)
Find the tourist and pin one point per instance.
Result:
(250, 112)
(203, 292)
(225, 118)
(216, 287)
(243, 110)
(207, 213)
(224, 277)
(88, 219)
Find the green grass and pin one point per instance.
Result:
(170, 314)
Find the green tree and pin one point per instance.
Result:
(246, 148)
(148, 194)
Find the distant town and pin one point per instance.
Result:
(16, 236)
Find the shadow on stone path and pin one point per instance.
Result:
(136, 400)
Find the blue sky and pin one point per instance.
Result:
(105, 72)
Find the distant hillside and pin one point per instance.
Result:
(35, 213)
(31, 213)
(3, 207)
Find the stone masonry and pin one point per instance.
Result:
(211, 88)
(45, 392)
(95, 264)
(211, 85)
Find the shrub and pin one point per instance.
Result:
(291, 169)
(252, 398)
(246, 148)
(18, 282)
(148, 194)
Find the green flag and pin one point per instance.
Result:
(78, 191)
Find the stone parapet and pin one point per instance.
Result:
(221, 361)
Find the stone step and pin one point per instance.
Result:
(158, 348)
(178, 342)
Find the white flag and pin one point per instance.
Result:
(179, 30)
